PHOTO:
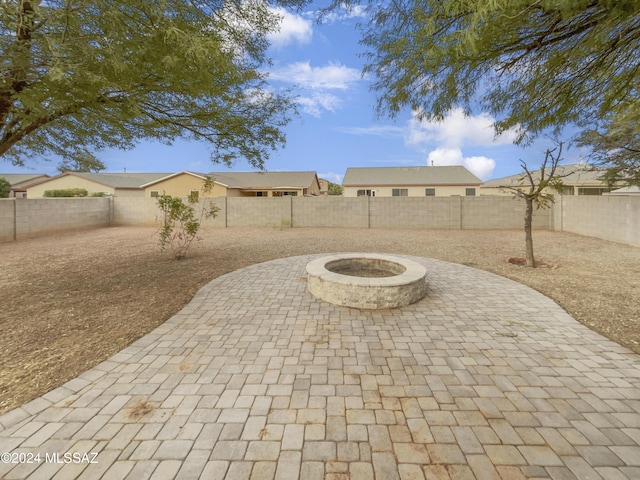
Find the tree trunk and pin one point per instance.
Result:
(528, 220)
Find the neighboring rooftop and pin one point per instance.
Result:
(576, 174)
(251, 180)
(17, 178)
(445, 175)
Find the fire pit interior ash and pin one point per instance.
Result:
(370, 281)
(365, 267)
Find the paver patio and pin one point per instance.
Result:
(482, 379)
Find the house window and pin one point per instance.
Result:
(400, 192)
(430, 192)
(289, 194)
(366, 193)
(154, 193)
(470, 192)
(592, 190)
(194, 195)
(262, 194)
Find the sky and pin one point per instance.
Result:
(337, 127)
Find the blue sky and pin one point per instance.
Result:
(337, 127)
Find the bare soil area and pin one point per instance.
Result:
(68, 302)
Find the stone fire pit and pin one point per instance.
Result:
(364, 280)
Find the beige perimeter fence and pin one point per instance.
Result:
(615, 218)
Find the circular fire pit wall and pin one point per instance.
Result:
(370, 281)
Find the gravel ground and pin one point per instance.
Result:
(70, 301)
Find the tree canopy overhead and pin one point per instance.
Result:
(79, 75)
(533, 64)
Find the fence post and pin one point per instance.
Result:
(455, 212)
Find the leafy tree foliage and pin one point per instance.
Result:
(81, 162)
(533, 64)
(615, 144)
(80, 74)
(5, 188)
(335, 189)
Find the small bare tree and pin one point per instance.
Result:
(534, 187)
(181, 221)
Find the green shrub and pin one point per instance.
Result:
(5, 188)
(181, 222)
(66, 192)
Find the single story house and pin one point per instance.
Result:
(432, 181)
(121, 184)
(577, 180)
(181, 184)
(21, 181)
(266, 184)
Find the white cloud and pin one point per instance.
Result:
(457, 130)
(319, 101)
(333, 76)
(385, 131)
(332, 177)
(481, 167)
(343, 13)
(317, 85)
(293, 28)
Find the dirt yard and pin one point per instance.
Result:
(70, 301)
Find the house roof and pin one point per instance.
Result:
(407, 176)
(19, 178)
(122, 180)
(115, 180)
(257, 180)
(631, 190)
(167, 176)
(571, 175)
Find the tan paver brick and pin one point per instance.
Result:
(260, 380)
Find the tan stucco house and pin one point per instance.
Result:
(577, 180)
(120, 184)
(266, 184)
(181, 184)
(21, 181)
(410, 182)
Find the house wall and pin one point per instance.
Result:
(26, 218)
(315, 187)
(182, 185)
(68, 181)
(413, 191)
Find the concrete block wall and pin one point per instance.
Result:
(414, 212)
(259, 212)
(133, 211)
(615, 218)
(610, 217)
(496, 212)
(34, 217)
(330, 211)
(7, 219)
